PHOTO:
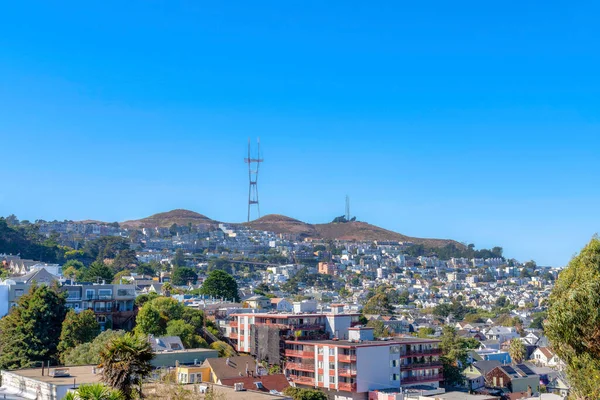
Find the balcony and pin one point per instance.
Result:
(233, 324)
(347, 387)
(300, 366)
(346, 357)
(299, 353)
(433, 364)
(346, 372)
(424, 378)
(306, 327)
(303, 380)
(424, 352)
(233, 335)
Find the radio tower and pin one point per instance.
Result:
(347, 208)
(253, 178)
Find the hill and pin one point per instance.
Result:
(356, 230)
(166, 219)
(282, 224)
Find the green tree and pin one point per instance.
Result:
(223, 348)
(94, 391)
(297, 393)
(186, 333)
(89, 353)
(77, 329)
(30, 332)
(183, 276)
(149, 321)
(97, 271)
(379, 304)
(119, 276)
(425, 332)
(178, 259)
(125, 362)
(517, 351)
(454, 355)
(220, 284)
(125, 259)
(78, 265)
(573, 323)
(379, 329)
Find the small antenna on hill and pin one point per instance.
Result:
(347, 208)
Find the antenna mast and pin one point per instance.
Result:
(347, 208)
(253, 178)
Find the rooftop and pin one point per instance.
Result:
(81, 374)
(366, 343)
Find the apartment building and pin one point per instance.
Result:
(351, 368)
(263, 334)
(113, 304)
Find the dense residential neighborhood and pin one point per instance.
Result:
(228, 306)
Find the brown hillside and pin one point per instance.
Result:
(362, 231)
(355, 231)
(282, 224)
(166, 219)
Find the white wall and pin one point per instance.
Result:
(373, 368)
(338, 324)
(3, 300)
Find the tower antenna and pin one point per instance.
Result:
(347, 208)
(253, 178)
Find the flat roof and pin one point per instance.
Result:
(364, 343)
(291, 315)
(82, 374)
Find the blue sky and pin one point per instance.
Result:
(473, 121)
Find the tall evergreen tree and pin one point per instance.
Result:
(30, 332)
(77, 329)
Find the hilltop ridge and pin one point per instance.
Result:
(352, 231)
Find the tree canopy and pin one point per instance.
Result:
(379, 304)
(30, 332)
(89, 353)
(220, 284)
(573, 323)
(77, 329)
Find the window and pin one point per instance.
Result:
(331, 365)
(101, 319)
(395, 349)
(100, 306)
(109, 306)
(320, 378)
(394, 377)
(89, 294)
(73, 295)
(393, 363)
(104, 294)
(331, 351)
(320, 364)
(320, 350)
(501, 381)
(18, 292)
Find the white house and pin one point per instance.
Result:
(545, 357)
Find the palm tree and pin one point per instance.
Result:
(96, 391)
(125, 362)
(517, 350)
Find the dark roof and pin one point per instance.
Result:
(234, 368)
(486, 366)
(166, 343)
(277, 382)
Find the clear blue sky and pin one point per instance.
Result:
(477, 121)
